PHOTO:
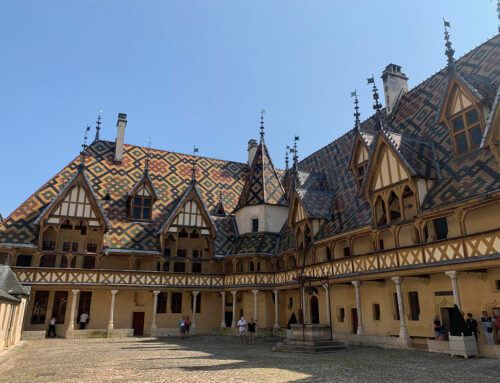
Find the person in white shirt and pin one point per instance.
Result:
(487, 323)
(84, 318)
(52, 327)
(242, 327)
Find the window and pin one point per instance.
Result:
(48, 245)
(183, 234)
(142, 207)
(161, 305)
(196, 268)
(166, 266)
(181, 253)
(361, 168)
(66, 246)
(176, 303)
(290, 303)
(48, 260)
(23, 260)
(252, 267)
(198, 303)
(64, 261)
(167, 252)
(75, 246)
(91, 247)
(396, 305)
(59, 306)
(341, 314)
(255, 225)
(497, 284)
(179, 267)
(84, 304)
(414, 305)
(441, 226)
(88, 262)
(40, 307)
(467, 131)
(347, 251)
(376, 311)
(195, 253)
(381, 244)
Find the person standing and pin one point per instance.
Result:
(84, 318)
(182, 327)
(242, 327)
(487, 324)
(52, 327)
(187, 326)
(472, 325)
(251, 331)
(437, 328)
(497, 322)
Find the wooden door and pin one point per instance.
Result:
(354, 313)
(138, 323)
(314, 310)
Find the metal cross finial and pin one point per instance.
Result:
(262, 112)
(84, 147)
(356, 109)
(449, 50)
(98, 125)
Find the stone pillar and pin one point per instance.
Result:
(403, 331)
(111, 322)
(361, 330)
(193, 321)
(327, 291)
(223, 320)
(233, 324)
(276, 311)
(255, 305)
(454, 284)
(71, 325)
(155, 307)
(304, 309)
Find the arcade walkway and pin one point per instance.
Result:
(221, 359)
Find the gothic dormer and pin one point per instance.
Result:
(359, 157)
(142, 198)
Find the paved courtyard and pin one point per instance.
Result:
(221, 359)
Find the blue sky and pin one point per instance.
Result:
(199, 72)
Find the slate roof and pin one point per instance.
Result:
(262, 185)
(255, 243)
(10, 288)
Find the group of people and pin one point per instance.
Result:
(184, 326)
(247, 329)
(83, 320)
(488, 325)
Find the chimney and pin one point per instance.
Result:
(252, 149)
(120, 136)
(395, 84)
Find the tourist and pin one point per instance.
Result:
(242, 327)
(497, 322)
(187, 326)
(182, 327)
(52, 327)
(487, 324)
(84, 318)
(437, 328)
(251, 331)
(471, 325)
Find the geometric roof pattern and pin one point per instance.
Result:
(262, 185)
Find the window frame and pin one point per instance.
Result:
(141, 207)
(466, 128)
(161, 303)
(176, 303)
(40, 305)
(59, 306)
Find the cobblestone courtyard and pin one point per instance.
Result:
(221, 359)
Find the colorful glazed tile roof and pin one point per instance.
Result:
(263, 185)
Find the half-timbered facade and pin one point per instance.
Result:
(397, 220)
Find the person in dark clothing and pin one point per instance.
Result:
(52, 327)
(472, 325)
(251, 331)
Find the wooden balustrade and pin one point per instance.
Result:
(454, 249)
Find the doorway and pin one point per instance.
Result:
(314, 310)
(138, 323)
(446, 315)
(354, 314)
(228, 317)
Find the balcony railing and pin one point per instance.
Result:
(425, 255)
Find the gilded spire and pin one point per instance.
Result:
(98, 126)
(84, 148)
(356, 109)
(449, 50)
(262, 112)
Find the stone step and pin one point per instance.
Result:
(330, 346)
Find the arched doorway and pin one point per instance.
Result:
(314, 310)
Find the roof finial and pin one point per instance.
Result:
(498, 14)
(449, 50)
(356, 109)
(286, 157)
(262, 112)
(146, 169)
(98, 126)
(295, 151)
(376, 105)
(84, 147)
(193, 169)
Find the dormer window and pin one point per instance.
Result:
(360, 173)
(142, 207)
(467, 131)
(255, 225)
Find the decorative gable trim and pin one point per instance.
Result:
(70, 202)
(298, 211)
(144, 181)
